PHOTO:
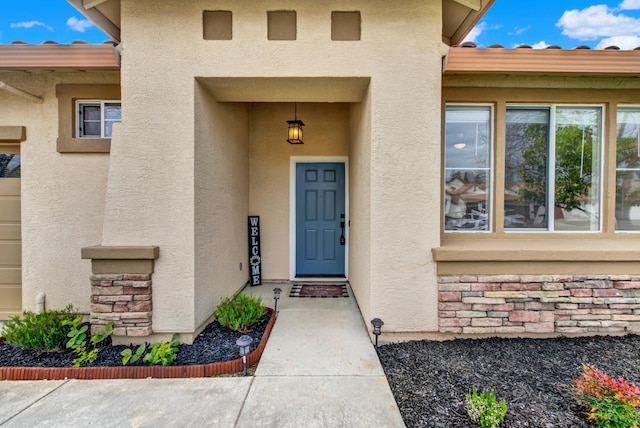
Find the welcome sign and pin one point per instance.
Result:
(255, 262)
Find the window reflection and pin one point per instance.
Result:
(568, 181)
(467, 188)
(577, 168)
(9, 166)
(628, 169)
(526, 153)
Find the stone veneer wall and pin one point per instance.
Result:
(125, 300)
(120, 297)
(577, 304)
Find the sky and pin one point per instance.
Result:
(37, 21)
(566, 23)
(510, 23)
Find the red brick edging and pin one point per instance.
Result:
(138, 372)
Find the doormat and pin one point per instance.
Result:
(319, 290)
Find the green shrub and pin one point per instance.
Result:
(163, 352)
(128, 356)
(484, 408)
(612, 403)
(240, 312)
(77, 341)
(44, 331)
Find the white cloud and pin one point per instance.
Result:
(78, 24)
(475, 33)
(517, 30)
(623, 42)
(30, 24)
(540, 45)
(595, 22)
(630, 5)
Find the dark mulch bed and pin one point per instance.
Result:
(430, 379)
(216, 343)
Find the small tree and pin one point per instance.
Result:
(573, 166)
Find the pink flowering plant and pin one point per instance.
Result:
(611, 403)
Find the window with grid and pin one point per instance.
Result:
(95, 119)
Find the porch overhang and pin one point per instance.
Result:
(286, 89)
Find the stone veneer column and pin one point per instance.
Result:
(121, 289)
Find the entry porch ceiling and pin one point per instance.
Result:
(458, 16)
(286, 89)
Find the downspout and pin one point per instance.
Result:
(20, 92)
(444, 52)
(40, 303)
(119, 48)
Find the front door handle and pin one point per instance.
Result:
(342, 239)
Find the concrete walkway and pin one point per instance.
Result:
(319, 369)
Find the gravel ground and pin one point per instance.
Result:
(429, 379)
(214, 344)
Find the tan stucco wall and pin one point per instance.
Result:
(150, 195)
(221, 201)
(62, 194)
(360, 195)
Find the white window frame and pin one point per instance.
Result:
(618, 108)
(491, 173)
(103, 119)
(551, 161)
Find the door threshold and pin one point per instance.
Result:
(320, 279)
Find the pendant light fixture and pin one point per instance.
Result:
(295, 128)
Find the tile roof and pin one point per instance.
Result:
(611, 61)
(53, 56)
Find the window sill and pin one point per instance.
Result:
(594, 249)
(581, 255)
(84, 145)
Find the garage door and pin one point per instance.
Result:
(10, 240)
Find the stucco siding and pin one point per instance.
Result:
(150, 191)
(360, 204)
(62, 194)
(150, 199)
(221, 201)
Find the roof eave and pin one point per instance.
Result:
(476, 11)
(54, 57)
(101, 21)
(522, 61)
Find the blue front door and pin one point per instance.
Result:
(320, 219)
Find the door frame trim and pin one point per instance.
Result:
(293, 161)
